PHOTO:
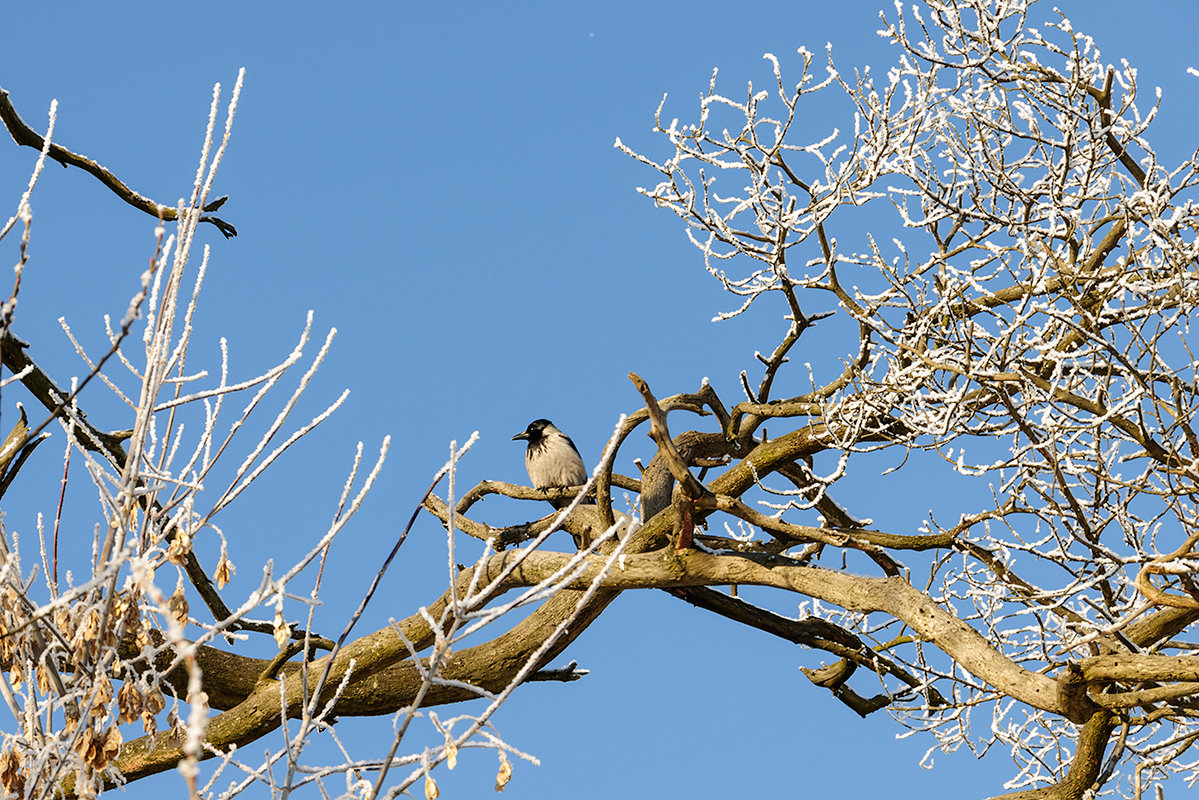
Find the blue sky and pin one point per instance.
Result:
(439, 183)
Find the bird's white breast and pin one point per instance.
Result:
(555, 463)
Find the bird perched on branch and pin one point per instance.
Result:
(551, 458)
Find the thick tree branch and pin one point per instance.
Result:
(893, 596)
(380, 683)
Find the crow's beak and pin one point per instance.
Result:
(521, 435)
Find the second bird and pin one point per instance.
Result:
(551, 458)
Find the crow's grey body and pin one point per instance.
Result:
(552, 459)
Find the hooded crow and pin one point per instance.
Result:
(552, 458)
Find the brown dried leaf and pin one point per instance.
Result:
(224, 571)
(504, 775)
(431, 790)
(154, 701)
(181, 545)
(65, 622)
(282, 631)
(12, 778)
(85, 744)
(42, 673)
(129, 702)
(133, 612)
(177, 606)
(152, 705)
(103, 688)
(12, 602)
(111, 744)
(98, 749)
(90, 630)
(142, 637)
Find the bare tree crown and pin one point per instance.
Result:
(1023, 319)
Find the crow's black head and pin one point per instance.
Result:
(535, 432)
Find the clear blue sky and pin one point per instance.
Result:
(438, 182)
